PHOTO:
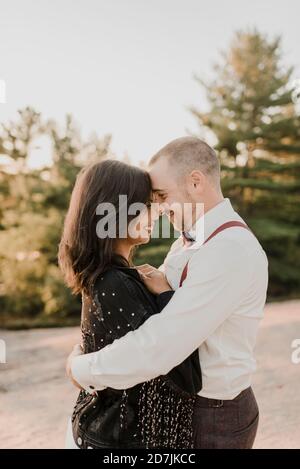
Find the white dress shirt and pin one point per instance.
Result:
(217, 310)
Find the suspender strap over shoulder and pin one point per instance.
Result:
(228, 224)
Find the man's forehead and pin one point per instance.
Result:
(159, 182)
(156, 190)
(160, 165)
(160, 176)
(168, 186)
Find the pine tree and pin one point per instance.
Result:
(253, 114)
(33, 203)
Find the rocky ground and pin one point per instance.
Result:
(37, 399)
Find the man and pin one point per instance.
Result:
(216, 309)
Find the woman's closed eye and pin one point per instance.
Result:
(161, 196)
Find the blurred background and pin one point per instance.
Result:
(86, 80)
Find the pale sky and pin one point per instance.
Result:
(126, 67)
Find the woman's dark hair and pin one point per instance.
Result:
(83, 256)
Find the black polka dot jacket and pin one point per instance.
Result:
(156, 414)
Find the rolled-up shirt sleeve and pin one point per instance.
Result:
(218, 276)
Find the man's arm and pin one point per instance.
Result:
(217, 278)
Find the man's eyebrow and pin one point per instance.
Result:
(158, 190)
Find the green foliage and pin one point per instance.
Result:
(153, 253)
(33, 206)
(257, 126)
(253, 116)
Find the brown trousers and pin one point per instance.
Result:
(226, 424)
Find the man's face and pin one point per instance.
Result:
(171, 192)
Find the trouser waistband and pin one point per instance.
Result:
(207, 402)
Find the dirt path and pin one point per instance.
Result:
(36, 398)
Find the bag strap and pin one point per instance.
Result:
(228, 224)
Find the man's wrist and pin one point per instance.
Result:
(80, 369)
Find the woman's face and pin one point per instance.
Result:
(141, 227)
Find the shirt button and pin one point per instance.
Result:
(79, 441)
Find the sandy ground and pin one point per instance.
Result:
(36, 398)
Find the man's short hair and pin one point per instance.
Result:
(189, 153)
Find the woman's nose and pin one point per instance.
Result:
(163, 208)
(156, 213)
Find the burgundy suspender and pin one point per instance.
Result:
(228, 224)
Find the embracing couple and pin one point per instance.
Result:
(167, 354)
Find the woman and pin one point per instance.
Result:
(95, 258)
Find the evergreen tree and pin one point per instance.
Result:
(253, 114)
(33, 204)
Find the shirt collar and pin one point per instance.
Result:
(211, 220)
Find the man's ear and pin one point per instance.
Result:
(197, 181)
